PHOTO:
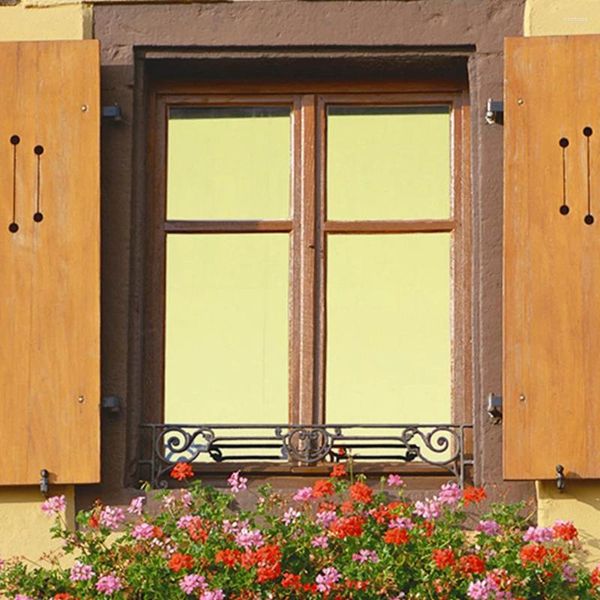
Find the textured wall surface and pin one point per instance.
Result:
(23, 527)
(580, 502)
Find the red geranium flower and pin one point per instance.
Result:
(396, 536)
(473, 494)
(347, 527)
(322, 487)
(361, 492)
(471, 564)
(565, 530)
(595, 576)
(182, 471)
(443, 558)
(291, 580)
(230, 558)
(532, 553)
(180, 561)
(338, 470)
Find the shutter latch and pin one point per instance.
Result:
(44, 481)
(494, 112)
(494, 407)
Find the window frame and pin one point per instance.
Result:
(308, 230)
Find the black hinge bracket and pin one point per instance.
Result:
(494, 112)
(494, 407)
(561, 480)
(44, 481)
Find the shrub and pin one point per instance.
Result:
(337, 539)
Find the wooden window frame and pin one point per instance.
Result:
(308, 229)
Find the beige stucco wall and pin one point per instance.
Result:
(580, 502)
(23, 527)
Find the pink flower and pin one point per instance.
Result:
(479, 590)
(569, 574)
(489, 527)
(538, 534)
(186, 498)
(23, 597)
(143, 531)
(401, 523)
(327, 578)
(290, 516)
(185, 521)
(136, 506)
(303, 494)
(212, 595)
(109, 584)
(237, 482)
(325, 518)
(395, 481)
(190, 583)
(111, 517)
(320, 541)
(248, 538)
(428, 509)
(450, 494)
(54, 505)
(81, 572)
(363, 556)
(233, 527)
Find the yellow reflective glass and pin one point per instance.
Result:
(388, 329)
(388, 163)
(226, 354)
(228, 163)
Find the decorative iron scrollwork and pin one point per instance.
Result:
(166, 444)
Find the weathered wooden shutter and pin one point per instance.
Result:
(49, 262)
(552, 257)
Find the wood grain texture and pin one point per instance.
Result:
(49, 270)
(551, 261)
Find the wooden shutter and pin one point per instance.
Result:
(49, 262)
(552, 257)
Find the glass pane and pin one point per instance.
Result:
(388, 163)
(226, 356)
(229, 163)
(388, 329)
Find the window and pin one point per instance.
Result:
(308, 260)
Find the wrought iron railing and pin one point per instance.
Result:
(442, 446)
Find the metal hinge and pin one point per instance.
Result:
(494, 407)
(494, 112)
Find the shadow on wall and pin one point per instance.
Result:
(580, 503)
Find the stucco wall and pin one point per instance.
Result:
(23, 527)
(580, 501)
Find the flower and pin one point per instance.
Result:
(136, 506)
(480, 590)
(182, 471)
(290, 516)
(473, 495)
(361, 492)
(569, 574)
(54, 505)
(23, 597)
(237, 482)
(532, 553)
(111, 517)
(428, 509)
(248, 538)
(347, 527)
(303, 494)
(471, 564)
(595, 576)
(401, 523)
(443, 558)
(565, 530)
(190, 583)
(109, 584)
(322, 487)
(320, 541)
(538, 534)
(363, 556)
(325, 518)
(450, 494)
(212, 595)
(328, 577)
(180, 561)
(143, 531)
(489, 527)
(395, 481)
(396, 536)
(81, 572)
(338, 470)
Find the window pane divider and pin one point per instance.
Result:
(274, 226)
(417, 226)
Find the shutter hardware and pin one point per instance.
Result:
(112, 112)
(494, 407)
(44, 482)
(494, 112)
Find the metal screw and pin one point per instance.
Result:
(522, 398)
(520, 101)
(84, 107)
(81, 399)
